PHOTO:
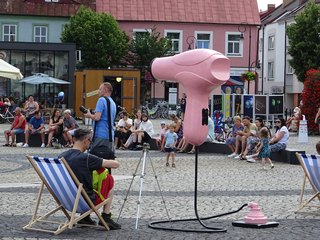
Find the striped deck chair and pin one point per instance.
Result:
(69, 194)
(311, 167)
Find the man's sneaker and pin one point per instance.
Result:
(250, 156)
(238, 157)
(25, 145)
(232, 155)
(87, 221)
(43, 145)
(111, 224)
(251, 160)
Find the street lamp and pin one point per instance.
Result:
(242, 29)
(191, 40)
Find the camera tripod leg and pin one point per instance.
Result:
(127, 194)
(156, 177)
(143, 173)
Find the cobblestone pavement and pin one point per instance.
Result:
(223, 185)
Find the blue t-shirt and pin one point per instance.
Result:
(36, 122)
(170, 139)
(102, 129)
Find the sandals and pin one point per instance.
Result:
(122, 148)
(167, 164)
(192, 152)
(7, 145)
(173, 165)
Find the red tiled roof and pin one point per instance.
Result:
(189, 11)
(63, 8)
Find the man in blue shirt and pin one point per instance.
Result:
(100, 117)
(35, 127)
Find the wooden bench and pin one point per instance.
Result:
(288, 156)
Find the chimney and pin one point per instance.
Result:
(271, 7)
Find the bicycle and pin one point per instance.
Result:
(222, 129)
(6, 116)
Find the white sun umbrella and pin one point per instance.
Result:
(9, 71)
(41, 78)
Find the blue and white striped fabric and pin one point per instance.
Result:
(312, 166)
(61, 183)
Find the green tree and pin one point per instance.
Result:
(144, 47)
(102, 43)
(304, 40)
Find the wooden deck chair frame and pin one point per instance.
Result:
(302, 202)
(72, 219)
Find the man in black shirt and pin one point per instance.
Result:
(82, 164)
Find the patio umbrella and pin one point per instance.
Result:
(41, 78)
(9, 71)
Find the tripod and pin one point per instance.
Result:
(143, 158)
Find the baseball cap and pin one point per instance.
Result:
(163, 122)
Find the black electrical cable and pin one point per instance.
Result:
(207, 229)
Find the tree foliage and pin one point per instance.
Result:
(304, 40)
(102, 43)
(310, 97)
(146, 46)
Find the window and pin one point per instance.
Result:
(204, 40)
(140, 33)
(270, 70)
(289, 68)
(271, 42)
(175, 37)
(234, 44)
(40, 34)
(9, 33)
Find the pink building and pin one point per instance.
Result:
(228, 26)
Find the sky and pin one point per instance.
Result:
(262, 4)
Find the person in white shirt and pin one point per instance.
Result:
(280, 140)
(144, 132)
(123, 130)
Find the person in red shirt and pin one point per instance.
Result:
(18, 126)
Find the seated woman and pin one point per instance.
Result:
(281, 137)
(55, 126)
(135, 127)
(237, 126)
(144, 132)
(293, 121)
(122, 132)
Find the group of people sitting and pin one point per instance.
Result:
(249, 141)
(34, 125)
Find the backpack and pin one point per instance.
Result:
(102, 183)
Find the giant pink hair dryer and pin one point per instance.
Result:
(199, 71)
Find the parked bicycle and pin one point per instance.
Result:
(6, 115)
(222, 129)
(160, 110)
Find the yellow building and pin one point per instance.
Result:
(125, 82)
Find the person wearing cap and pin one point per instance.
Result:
(17, 127)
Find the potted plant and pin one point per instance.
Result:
(248, 76)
